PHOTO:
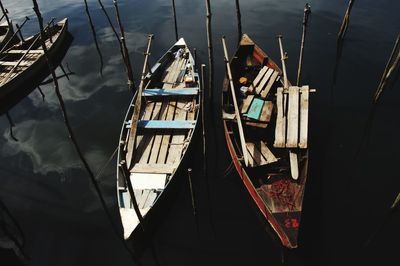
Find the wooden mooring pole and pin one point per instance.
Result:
(131, 82)
(175, 22)
(94, 38)
(345, 22)
(239, 20)
(5, 12)
(391, 69)
(11, 123)
(192, 195)
(307, 11)
(210, 52)
(70, 131)
(203, 121)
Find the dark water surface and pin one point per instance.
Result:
(45, 187)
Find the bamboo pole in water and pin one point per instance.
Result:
(192, 192)
(10, 121)
(390, 70)
(210, 52)
(345, 23)
(131, 82)
(121, 49)
(70, 131)
(5, 11)
(94, 37)
(239, 20)
(203, 121)
(307, 11)
(175, 22)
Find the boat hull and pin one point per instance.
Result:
(277, 196)
(28, 79)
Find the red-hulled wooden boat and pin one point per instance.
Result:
(275, 121)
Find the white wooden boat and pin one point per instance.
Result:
(167, 123)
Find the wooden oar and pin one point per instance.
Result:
(137, 107)
(294, 165)
(13, 36)
(237, 113)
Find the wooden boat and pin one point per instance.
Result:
(277, 193)
(165, 129)
(6, 32)
(22, 63)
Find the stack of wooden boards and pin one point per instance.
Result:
(292, 118)
(256, 110)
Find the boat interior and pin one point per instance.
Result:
(256, 80)
(167, 120)
(20, 56)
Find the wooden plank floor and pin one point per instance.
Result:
(163, 147)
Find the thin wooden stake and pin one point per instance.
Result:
(20, 33)
(19, 241)
(239, 21)
(210, 52)
(307, 11)
(175, 23)
(345, 23)
(137, 107)
(283, 58)
(70, 131)
(390, 70)
(192, 192)
(94, 37)
(41, 92)
(203, 122)
(5, 11)
(237, 113)
(121, 49)
(63, 70)
(131, 82)
(11, 123)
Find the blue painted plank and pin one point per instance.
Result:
(167, 124)
(255, 108)
(170, 92)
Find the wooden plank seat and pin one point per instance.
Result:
(155, 168)
(170, 92)
(293, 118)
(260, 154)
(273, 78)
(14, 63)
(258, 78)
(165, 124)
(14, 51)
